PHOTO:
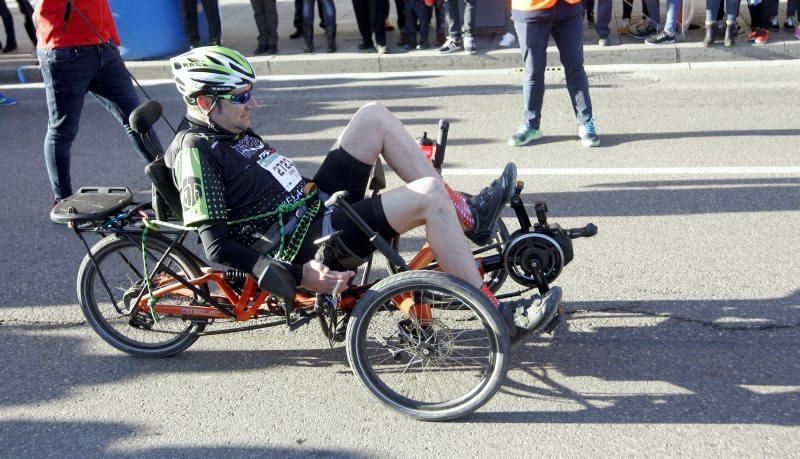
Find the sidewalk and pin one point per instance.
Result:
(239, 32)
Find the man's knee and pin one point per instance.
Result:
(432, 191)
(373, 111)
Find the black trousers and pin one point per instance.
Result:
(418, 13)
(8, 24)
(370, 17)
(211, 7)
(265, 12)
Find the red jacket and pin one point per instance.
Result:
(59, 25)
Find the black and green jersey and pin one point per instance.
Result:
(222, 176)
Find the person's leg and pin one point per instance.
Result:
(361, 11)
(627, 9)
(270, 8)
(533, 38)
(259, 15)
(8, 24)
(27, 11)
(379, 10)
(603, 18)
(712, 8)
(469, 18)
(211, 8)
(330, 23)
(453, 20)
(757, 20)
(374, 130)
(424, 17)
(298, 15)
(190, 22)
(113, 88)
(671, 22)
(410, 31)
(400, 5)
(66, 74)
(568, 35)
(654, 18)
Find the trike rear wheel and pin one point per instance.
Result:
(111, 311)
(438, 365)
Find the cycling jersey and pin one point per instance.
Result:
(222, 176)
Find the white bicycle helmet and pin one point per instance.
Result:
(211, 70)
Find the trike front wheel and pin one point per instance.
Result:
(428, 345)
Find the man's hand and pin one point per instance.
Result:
(319, 278)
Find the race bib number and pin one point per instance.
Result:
(282, 169)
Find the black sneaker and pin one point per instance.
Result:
(662, 38)
(487, 205)
(527, 315)
(450, 46)
(643, 32)
(774, 25)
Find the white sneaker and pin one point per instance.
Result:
(507, 40)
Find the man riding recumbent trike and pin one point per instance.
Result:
(431, 340)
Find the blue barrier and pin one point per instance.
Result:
(151, 29)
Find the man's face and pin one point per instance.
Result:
(231, 116)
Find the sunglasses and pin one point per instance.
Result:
(237, 99)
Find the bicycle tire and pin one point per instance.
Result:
(494, 279)
(448, 354)
(121, 330)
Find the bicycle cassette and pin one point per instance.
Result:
(525, 249)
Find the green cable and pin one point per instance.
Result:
(283, 253)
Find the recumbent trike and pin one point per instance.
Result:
(423, 342)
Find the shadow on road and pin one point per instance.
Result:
(31, 439)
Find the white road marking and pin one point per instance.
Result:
(632, 171)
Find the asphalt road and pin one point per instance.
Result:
(684, 312)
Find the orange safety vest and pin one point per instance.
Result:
(537, 5)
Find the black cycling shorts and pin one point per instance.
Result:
(340, 171)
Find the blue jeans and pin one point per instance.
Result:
(673, 8)
(566, 27)
(328, 8)
(69, 73)
(455, 23)
(603, 18)
(731, 10)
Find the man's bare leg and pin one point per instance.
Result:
(375, 131)
(425, 201)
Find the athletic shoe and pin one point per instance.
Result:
(643, 32)
(751, 37)
(603, 41)
(797, 33)
(487, 205)
(469, 45)
(588, 134)
(7, 100)
(450, 46)
(524, 136)
(774, 25)
(364, 45)
(509, 39)
(624, 27)
(763, 37)
(789, 25)
(527, 315)
(381, 49)
(662, 38)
